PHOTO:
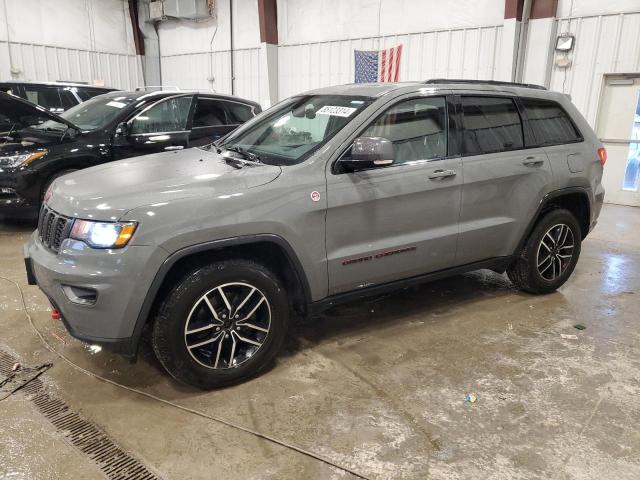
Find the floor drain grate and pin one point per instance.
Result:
(116, 463)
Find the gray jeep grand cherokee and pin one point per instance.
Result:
(328, 196)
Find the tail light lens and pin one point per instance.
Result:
(602, 155)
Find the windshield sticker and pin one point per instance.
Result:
(336, 111)
(116, 104)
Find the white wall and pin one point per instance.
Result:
(81, 40)
(190, 59)
(304, 21)
(318, 39)
(456, 38)
(456, 53)
(604, 44)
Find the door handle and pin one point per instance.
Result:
(174, 147)
(532, 162)
(437, 174)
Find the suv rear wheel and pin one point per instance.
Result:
(549, 255)
(221, 324)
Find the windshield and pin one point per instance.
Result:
(94, 113)
(295, 129)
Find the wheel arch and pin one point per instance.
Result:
(574, 199)
(271, 250)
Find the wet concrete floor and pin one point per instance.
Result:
(376, 386)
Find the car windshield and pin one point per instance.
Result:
(295, 129)
(94, 113)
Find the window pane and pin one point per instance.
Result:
(417, 128)
(68, 100)
(166, 116)
(490, 125)
(297, 127)
(550, 123)
(209, 113)
(238, 113)
(46, 97)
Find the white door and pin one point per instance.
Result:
(619, 130)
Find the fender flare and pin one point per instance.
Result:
(176, 256)
(546, 200)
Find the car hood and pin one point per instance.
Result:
(15, 109)
(108, 191)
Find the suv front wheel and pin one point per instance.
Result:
(221, 324)
(549, 255)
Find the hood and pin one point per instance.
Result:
(108, 191)
(17, 110)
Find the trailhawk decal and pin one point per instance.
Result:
(377, 256)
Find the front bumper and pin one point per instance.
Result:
(119, 277)
(15, 200)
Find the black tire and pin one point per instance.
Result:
(524, 272)
(185, 305)
(51, 179)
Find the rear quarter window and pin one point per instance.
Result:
(550, 124)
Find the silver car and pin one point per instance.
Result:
(328, 196)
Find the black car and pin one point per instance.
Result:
(54, 96)
(37, 146)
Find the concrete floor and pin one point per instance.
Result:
(377, 386)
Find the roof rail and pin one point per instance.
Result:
(438, 81)
(158, 88)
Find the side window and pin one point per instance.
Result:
(238, 112)
(550, 123)
(46, 97)
(209, 113)
(417, 128)
(87, 93)
(169, 115)
(491, 124)
(68, 99)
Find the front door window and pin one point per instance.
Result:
(164, 117)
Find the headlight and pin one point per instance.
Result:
(103, 234)
(21, 159)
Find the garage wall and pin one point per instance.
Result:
(454, 53)
(317, 39)
(604, 44)
(197, 54)
(95, 43)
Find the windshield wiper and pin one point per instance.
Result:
(245, 153)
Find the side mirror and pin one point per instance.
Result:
(369, 152)
(121, 135)
(122, 130)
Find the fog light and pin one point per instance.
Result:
(80, 295)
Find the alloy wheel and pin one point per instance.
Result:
(227, 325)
(555, 251)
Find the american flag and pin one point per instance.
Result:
(377, 65)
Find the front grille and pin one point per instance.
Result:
(53, 228)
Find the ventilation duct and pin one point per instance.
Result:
(187, 9)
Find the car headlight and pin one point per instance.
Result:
(21, 159)
(103, 234)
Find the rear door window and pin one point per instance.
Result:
(87, 93)
(209, 113)
(46, 97)
(68, 98)
(491, 124)
(238, 112)
(549, 122)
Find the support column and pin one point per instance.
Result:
(507, 56)
(268, 16)
(541, 37)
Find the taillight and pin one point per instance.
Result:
(602, 155)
